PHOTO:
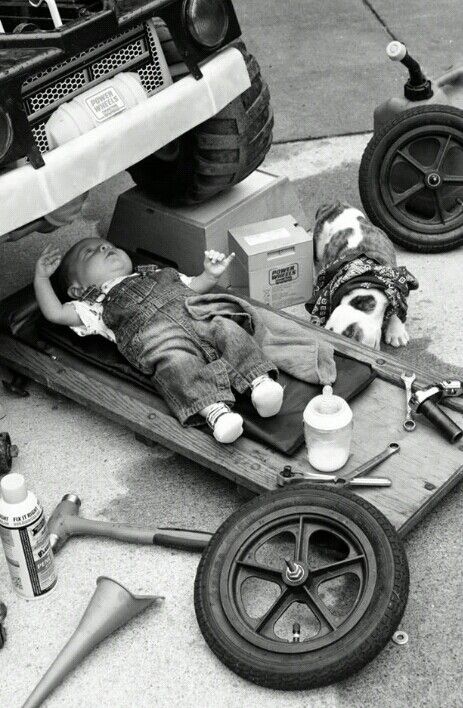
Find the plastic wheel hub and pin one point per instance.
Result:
(433, 180)
(422, 179)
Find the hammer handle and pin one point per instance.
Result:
(179, 538)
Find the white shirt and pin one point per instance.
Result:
(91, 314)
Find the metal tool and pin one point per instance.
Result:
(424, 402)
(370, 465)
(409, 424)
(355, 478)
(343, 482)
(65, 522)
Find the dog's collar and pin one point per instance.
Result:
(395, 281)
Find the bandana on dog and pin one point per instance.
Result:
(359, 271)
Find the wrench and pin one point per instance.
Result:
(356, 478)
(409, 423)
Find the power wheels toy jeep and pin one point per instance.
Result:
(164, 88)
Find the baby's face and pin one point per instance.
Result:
(95, 261)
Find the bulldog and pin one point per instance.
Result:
(360, 291)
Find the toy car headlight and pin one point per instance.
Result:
(6, 133)
(207, 21)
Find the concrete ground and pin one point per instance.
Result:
(315, 60)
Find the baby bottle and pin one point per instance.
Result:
(328, 431)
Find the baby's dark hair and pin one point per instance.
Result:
(62, 277)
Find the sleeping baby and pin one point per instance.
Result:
(143, 312)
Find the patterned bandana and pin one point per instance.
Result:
(344, 274)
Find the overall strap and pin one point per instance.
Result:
(146, 269)
(92, 294)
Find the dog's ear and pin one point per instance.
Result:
(322, 215)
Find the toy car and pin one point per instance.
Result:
(163, 88)
(411, 174)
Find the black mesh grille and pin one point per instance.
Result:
(137, 50)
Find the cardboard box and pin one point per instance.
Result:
(273, 263)
(179, 236)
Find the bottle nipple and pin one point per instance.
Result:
(327, 403)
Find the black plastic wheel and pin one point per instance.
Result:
(215, 155)
(5, 453)
(2, 628)
(301, 587)
(411, 179)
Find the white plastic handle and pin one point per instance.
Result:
(396, 51)
(53, 8)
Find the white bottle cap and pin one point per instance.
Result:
(13, 486)
(327, 412)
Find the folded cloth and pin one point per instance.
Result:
(290, 346)
(345, 274)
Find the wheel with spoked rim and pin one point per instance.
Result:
(301, 587)
(411, 179)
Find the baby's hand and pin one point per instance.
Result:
(48, 262)
(215, 263)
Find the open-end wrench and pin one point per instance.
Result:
(409, 424)
(356, 477)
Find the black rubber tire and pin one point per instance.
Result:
(337, 660)
(371, 183)
(168, 45)
(5, 453)
(217, 154)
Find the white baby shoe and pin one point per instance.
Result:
(266, 396)
(227, 426)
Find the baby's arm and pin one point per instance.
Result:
(215, 264)
(50, 307)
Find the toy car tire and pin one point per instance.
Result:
(247, 642)
(430, 218)
(5, 453)
(217, 154)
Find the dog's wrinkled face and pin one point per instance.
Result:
(359, 316)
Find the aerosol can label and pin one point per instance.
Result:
(28, 553)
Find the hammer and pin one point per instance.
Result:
(65, 522)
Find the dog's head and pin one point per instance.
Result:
(359, 316)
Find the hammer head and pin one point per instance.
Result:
(57, 526)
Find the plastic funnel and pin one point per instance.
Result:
(110, 607)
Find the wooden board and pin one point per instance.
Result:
(426, 468)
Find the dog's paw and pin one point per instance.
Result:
(396, 334)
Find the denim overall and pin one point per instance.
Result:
(156, 334)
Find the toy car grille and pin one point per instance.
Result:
(40, 137)
(70, 85)
(136, 50)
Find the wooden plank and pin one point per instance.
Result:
(425, 457)
(246, 462)
(420, 472)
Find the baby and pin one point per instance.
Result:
(144, 313)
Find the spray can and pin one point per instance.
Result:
(25, 539)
